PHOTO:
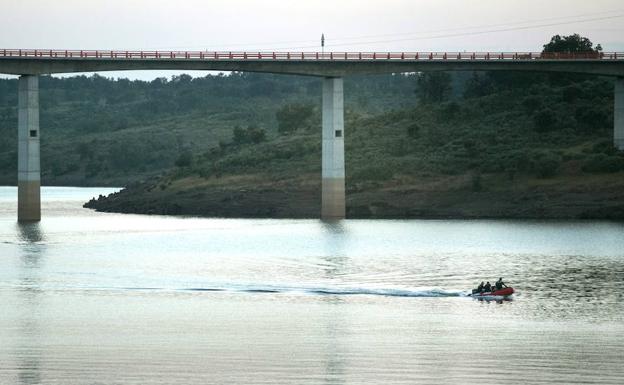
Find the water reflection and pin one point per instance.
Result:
(334, 227)
(499, 301)
(31, 239)
(335, 350)
(335, 253)
(29, 350)
(335, 258)
(30, 232)
(32, 248)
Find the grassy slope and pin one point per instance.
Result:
(479, 157)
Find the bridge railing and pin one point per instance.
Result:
(307, 56)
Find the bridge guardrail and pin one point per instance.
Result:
(305, 56)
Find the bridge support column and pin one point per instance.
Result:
(618, 114)
(333, 164)
(28, 172)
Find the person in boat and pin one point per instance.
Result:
(479, 288)
(500, 284)
(487, 287)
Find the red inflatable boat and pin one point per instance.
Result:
(506, 292)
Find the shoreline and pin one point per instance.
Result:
(303, 202)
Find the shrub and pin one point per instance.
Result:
(476, 182)
(605, 147)
(239, 135)
(185, 159)
(571, 93)
(434, 87)
(531, 103)
(477, 86)
(545, 164)
(251, 134)
(545, 120)
(450, 111)
(256, 135)
(373, 172)
(603, 163)
(293, 116)
(93, 168)
(589, 118)
(517, 160)
(413, 130)
(85, 150)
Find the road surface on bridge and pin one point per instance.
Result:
(327, 64)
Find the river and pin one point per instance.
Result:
(101, 298)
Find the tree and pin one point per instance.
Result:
(185, 159)
(293, 116)
(567, 45)
(478, 85)
(546, 164)
(545, 120)
(256, 134)
(571, 43)
(434, 87)
(239, 135)
(85, 150)
(590, 117)
(413, 130)
(603, 163)
(252, 134)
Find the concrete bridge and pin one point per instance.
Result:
(331, 66)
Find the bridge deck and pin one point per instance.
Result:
(45, 61)
(325, 56)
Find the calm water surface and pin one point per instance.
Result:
(96, 298)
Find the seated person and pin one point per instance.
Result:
(500, 284)
(479, 288)
(487, 287)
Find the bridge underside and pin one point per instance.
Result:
(329, 68)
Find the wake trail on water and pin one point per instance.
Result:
(330, 291)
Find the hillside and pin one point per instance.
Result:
(430, 145)
(97, 131)
(505, 146)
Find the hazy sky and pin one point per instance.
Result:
(351, 25)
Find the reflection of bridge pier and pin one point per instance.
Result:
(331, 66)
(28, 339)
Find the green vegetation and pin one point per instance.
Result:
(99, 131)
(434, 87)
(251, 134)
(294, 116)
(572, 43)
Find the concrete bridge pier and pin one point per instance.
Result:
(618, 114)
(28, 171)
(333, 164)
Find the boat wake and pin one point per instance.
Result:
(328, 291)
